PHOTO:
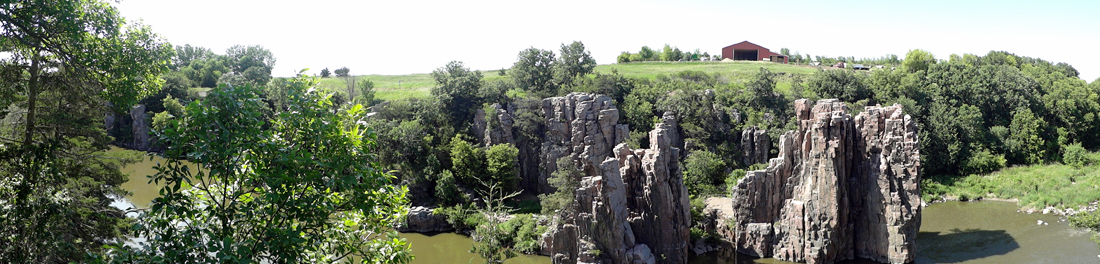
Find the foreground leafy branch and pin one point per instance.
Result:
(300, 187)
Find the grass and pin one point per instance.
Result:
(736, 68)
(1035, 186)
(392, 87)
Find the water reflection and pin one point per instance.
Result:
(962, 245)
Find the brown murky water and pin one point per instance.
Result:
(952, 232)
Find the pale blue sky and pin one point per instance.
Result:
(399, 37)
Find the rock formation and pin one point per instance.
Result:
(496, 127)
(632, 208)
(755, 145)
(582, 126)
(841, 188)
(421, 220)
(140, 128)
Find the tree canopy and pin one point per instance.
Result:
(70, 63)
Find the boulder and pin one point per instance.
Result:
(421, 220)
(841, 188)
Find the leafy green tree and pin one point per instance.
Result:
(704, 173)
(186, 54)
(467, 162)
(761, 90)
(254, 62)
(533, 71)
(493, 243)
(671, 54)
(325, 73)
(446, 192)
(613, 85)
(457, 90)
(785, 51)
(565, 180)
(342, 72)
(501, 162)
(918, 60)
(846, 85)
(65, 64)
(303, 188)
(366, 92)
(204, 71)
(1026, 142)
(647, 54)
(574, 61)
(623, 57)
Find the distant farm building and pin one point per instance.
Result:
(750, 51)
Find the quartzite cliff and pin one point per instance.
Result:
(842, 187)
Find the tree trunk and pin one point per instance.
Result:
(32, 100)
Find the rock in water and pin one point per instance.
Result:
(841, 188)
(634, 209)
(421, 220)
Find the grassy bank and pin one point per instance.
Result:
(391, 87)
(1035, 186)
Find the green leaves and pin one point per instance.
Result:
(301, 187)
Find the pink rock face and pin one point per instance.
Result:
(632, 205)
(841, 188)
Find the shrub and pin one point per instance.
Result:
(501, 161)
(565, 180)
(983, 162)
(1075, 155)
(703, 172)
(445, 190)
(525, 232)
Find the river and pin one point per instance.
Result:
(951, 232)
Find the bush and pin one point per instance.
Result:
(445, 189)
(461, 216)
(703, 172)
(501, 162)
(1076, 156)
(565, 180)
(468, 162)
(983, 162)
(732, 178)
(525, 231)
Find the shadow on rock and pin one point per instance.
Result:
(962, 245)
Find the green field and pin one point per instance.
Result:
(737, 69)
(390, 87)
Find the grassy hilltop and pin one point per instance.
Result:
(391, 87)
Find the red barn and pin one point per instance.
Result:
(750, 51)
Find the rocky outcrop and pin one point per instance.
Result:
(421, 220)
(755, 145)
(140, 128)
(633, 208)
(495, 127)
(582, 126)
(841, 188)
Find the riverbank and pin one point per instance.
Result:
(1059, 187)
